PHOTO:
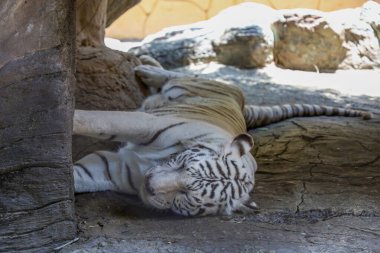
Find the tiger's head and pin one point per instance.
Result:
(203, 181)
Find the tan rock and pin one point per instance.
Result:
(318, 41)
(90, 22)
(106, 80)
(304, 41)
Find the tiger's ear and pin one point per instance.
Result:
(241, 144)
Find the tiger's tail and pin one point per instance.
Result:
(256, 116)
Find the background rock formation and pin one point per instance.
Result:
(252, 35)
(105, 77)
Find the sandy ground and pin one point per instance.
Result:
(318, 183)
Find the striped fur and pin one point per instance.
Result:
(186, 149)
(257, 116)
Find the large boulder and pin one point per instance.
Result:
(314, 40)
(247, 41)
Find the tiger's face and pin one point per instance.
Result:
(200, 181)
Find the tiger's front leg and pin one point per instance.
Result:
(104, 170)
(135, 127)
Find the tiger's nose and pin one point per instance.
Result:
(162, 182)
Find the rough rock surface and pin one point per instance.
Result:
(105, 81)
(36, 109)
(317, 185)
(92, 17)
(104, 77)
(250, 35)
(238, 36)
(312, 40)
(244, 47)
(305, 41)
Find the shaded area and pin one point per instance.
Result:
(36, 108)
(317, 187)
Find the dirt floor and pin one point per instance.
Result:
(318, 183)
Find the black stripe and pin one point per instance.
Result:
(213, 187)
(239, 188)
(105, 161)
(228, 170)
(111, 138)
(211, 172)
(87, 171)
(237, 176)
(159, 132)
(284, 112)
(201, 211)
(335, 111)
(232, 190)
(220, 169)
(130, 178)
(295, 110)
(306, 111)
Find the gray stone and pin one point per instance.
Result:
(246, 47)
(178, 46)
(36, 108)
(239, 31)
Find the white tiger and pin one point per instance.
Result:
(187, 150)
